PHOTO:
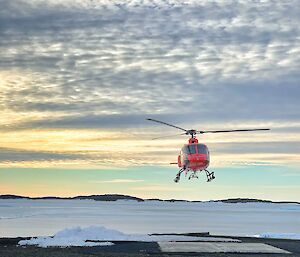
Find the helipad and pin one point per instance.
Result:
(218, 247)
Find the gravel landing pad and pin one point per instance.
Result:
(213, 247)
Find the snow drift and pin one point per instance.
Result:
(75, 237)
(101, 236)
(81, 236)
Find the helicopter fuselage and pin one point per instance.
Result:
(193, 156)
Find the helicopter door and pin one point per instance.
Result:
(179, 160)
(184, 156)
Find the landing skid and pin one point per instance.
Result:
(177, 178)
(210, 175)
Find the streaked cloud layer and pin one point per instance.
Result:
(78, 79)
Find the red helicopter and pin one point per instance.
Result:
(193, 156)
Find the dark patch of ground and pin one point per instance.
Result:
(9, 248)
(292, 246)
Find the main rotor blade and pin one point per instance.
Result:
(165, 123)
(231, 130)
(169, 136)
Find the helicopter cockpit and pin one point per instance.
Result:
(195, 149)
(194, 156)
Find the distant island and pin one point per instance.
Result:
(106, 197)
(116, 197)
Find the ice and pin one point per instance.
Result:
(32, 218)
(280, 235)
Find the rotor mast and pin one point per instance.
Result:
(192, 133)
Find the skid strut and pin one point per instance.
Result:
(193, 175)
(210, 175)
(177, 178)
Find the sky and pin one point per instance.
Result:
(79, 78)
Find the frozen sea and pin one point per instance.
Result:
(24, 217)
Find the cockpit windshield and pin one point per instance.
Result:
(191, 149)
(195, 148)
(202, 149)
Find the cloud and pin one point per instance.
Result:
(110, 64)
(160, 188)
(93, 57)
(119, 181)
(261, 147)
(19, 155)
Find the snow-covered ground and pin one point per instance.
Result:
(47, 217)
(100, 236)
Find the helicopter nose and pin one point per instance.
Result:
(198, 161)
(198, 157)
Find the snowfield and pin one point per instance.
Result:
(32, 218)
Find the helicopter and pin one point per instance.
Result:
(194, 157)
